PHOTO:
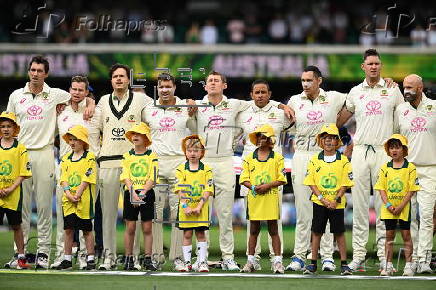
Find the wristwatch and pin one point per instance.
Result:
(338, 199)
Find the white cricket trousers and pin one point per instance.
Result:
(304, 207)
(366, 162)
(167, 175)
(109, 188)
(426, 200)
(225, 180)
(41, 186)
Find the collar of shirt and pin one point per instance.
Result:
(80, 107)
(256, 109)
(125, 96)
(322, 93)
(45, 89)
(381, 83)
(223, 102)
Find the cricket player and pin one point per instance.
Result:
(168, 124)
(71, 116)
(216, 125)
(35, 108)
(417, 121)
(373, 104)
(262, 112)
(115, 114)
(313, 108)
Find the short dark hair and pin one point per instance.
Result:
(313, 69)
(117, 66)
(40, 59)
(260, 82)
(80, 79)
(166, 77)
(215, 73)
(370, 52)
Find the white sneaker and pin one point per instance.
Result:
(13, 262)
(382, 265)
(256, 265)
(355, 265)
(328, 265)
(82, 261)
(137, 264)
(424, 268)
(408, 269)
(42, 261)
(278, 268)
(108, 264)
(203, 267)
(179, 265)
(296, 265)
(230, 265)
(248, 268)
(194, 267)
(388, 270)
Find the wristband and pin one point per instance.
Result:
(65, 188)
(320, 197)
(338, 199)
(253, 190)
(184, 205)
(388, 205)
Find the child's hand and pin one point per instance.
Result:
(262, 188)
(326, 203)
(391, 209)
(70, 197)
(196, 211)
(397, 210)
(187, 210)
(333, 205)
(6, 191)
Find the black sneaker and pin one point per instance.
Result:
(148, 264)
(129, 264)
(345, 270)
(30, 258)
(90, 265)
(65, 265)
(310, 269)
(41, 261)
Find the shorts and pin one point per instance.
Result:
(130, 213)
(13, 216)
(391, 225)
(73, 222)
(321, 215)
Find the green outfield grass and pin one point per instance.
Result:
(54, 280)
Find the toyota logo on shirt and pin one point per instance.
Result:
(314, 117)
(418, 125)
(118, 133)
(34, 113)
(373, 108)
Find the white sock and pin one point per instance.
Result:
(251, 259)
(21, 256)
(74, 250)
(90, 258)
(187, 251)
(68, 257)
(202, 251)
(277, 259)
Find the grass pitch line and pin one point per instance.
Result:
(239, 275)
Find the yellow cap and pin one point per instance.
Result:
(140, 128)
(194, 137)
(80, 132)
(265, 130)
(330, 129)
(11, 117)
(403, 141)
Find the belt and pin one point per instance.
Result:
(367, 148)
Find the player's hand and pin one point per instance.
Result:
(289, 113)
(60, 108)
(89, 112)
(390, 83)
(262, 188)
(191, 110)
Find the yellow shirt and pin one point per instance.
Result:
(74, 172)
(397, 182)
(193, 183)
(263, 206)
(139, 168)
(329, 177)
(14, 162)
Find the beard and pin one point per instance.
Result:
(409, 97)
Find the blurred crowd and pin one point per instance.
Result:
(212, 21)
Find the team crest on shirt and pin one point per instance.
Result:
(210, 182)
(272, 116)
(350, 175)
(131, 119)
(225, 106)
(384, 93)
(178, 110)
